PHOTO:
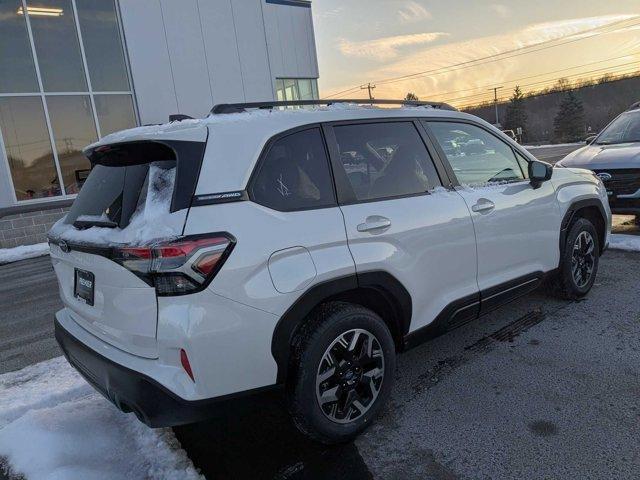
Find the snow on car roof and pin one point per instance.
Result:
(277, 120)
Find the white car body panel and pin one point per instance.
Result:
(245, 277)
(517, 237)
(125, 309)
(436, 247)
(429, 248)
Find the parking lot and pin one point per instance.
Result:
(539, 389)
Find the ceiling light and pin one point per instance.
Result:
(42, 11)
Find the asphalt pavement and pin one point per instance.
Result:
(541, 388)
(553, 153)
(28, 299)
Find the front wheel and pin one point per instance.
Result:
(343, 372)
(579, 261)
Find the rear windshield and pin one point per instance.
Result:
(113, 193)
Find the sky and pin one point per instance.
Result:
(361, 41)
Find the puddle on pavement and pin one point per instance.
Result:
(263, 443)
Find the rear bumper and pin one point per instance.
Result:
(153, 404)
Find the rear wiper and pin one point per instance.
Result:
(82, 224)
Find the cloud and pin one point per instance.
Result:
(431, 57)
(500, 10)
(385, 48)
(413, 12)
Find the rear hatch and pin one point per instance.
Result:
(137, 195)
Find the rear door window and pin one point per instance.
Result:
(114, 193)
(384, 160)
(476, 156)
(294, 174)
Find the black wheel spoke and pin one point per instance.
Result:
(583, 259)
(350, 376)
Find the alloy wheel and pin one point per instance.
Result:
(583, 259)
(350, 376)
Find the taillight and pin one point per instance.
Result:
(178, 267)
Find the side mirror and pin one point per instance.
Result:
(589, 140)
(539, 172)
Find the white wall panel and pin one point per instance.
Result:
(187, 55)
(285, 27)
(274, 44)
(254, 58)
(217, 23)
(150, 66)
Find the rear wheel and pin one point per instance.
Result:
(344, 366)
(579, 261)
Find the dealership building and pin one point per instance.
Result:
(73, 71)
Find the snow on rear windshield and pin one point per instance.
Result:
(150, 221)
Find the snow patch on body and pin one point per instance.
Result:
(22, 252)
(619, 241)
(53, 425)
(151, 221)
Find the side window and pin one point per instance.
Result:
(476, 156)
(385, 160)
(294, 175)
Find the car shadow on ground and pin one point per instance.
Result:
(261, 442)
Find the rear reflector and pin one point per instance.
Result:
(184, 360)
(178, 267)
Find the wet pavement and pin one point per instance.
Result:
(541, 388)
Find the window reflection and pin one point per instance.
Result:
(73, 129)
(115, 112)
(28, 148)
(17, 72)
(102, 45)
(296, 89)
(57, 47)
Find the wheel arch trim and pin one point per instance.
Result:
(574, 207)
(391, 290)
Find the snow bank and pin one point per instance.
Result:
(619, 241)
(152, 219)
(53, 426)
(8, 255)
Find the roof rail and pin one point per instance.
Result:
(634, 106)
(241, 107)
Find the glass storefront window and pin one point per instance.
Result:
(28, 148)
(296, 89)
(59, 106)
(115, 112)
(73, 129)
(57, 46)
(17, 72)
(102, 46)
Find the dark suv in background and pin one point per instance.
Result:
(614, 155)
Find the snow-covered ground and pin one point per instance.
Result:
(8, 255)
(54, 426)
(624, 242)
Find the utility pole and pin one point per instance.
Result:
(370, 88)
(495, 101)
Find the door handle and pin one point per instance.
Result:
(374, 222)
(483, 205)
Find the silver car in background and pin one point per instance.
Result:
(614, 155)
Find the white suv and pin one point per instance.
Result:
(301, 250)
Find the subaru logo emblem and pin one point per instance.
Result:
(63, 246)
(604, 176)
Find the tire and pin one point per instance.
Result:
(579, 260)
(366, 368)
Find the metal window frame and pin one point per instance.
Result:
(42, 95)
